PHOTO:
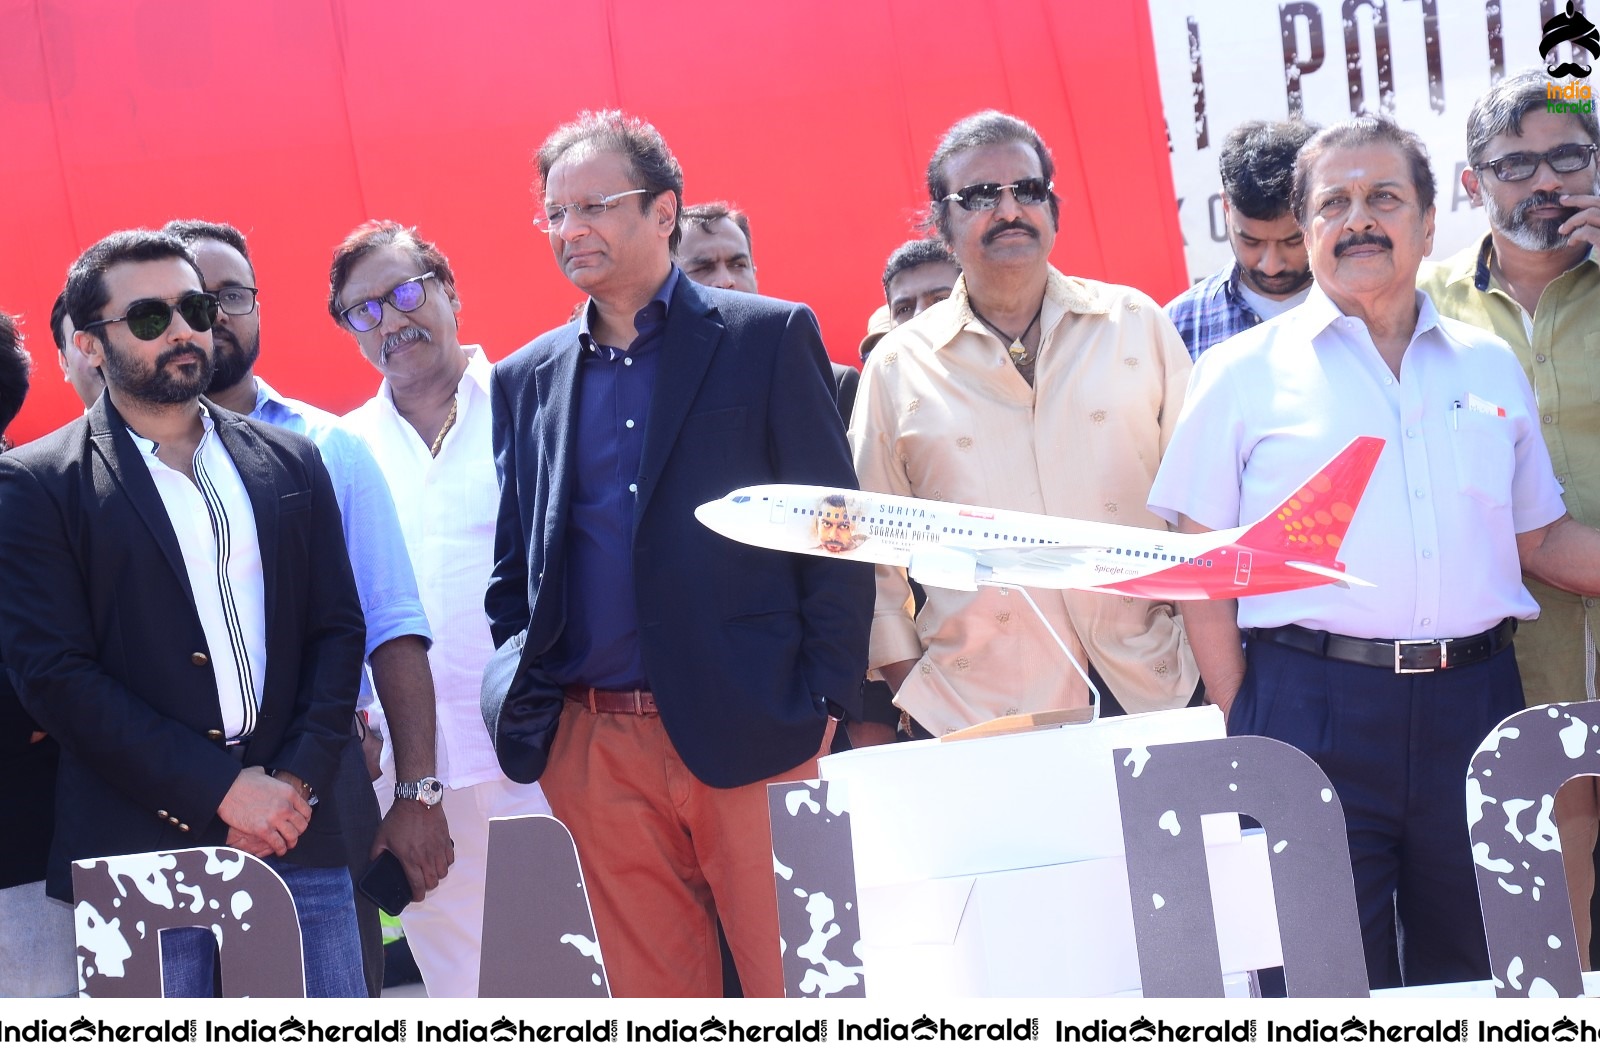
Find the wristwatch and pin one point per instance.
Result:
(427, 791)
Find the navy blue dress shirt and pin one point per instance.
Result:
(599, 646)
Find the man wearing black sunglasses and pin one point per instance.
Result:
(1029, 390)
(1533, 281)
(180, 615)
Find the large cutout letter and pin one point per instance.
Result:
(538, 933)
(1522, 886)
(813, 866)
(122, 904)
(1164, 790)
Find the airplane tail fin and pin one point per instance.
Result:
(1312, 520)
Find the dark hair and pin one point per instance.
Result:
(917, 252)
(1353, 133)
(58, 316)
(1501, 110)
(13, 374)
(651, 165)
(86, 280)
(1257, 166)
(706, 214)
(192, 232)
(980, 130)
(374, 234)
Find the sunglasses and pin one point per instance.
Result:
(404, 296)
(1029, 191)
(149, 318)
(1568, 158)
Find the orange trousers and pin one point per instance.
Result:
(664, 855)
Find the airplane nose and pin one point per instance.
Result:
(713, 514)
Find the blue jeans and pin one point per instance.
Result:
(324, 902)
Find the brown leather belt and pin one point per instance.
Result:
(1401, 656)
(599, 701)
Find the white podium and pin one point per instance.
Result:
(993, 867)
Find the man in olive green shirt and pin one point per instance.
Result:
(1534, 282)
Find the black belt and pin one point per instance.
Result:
(1400, 656)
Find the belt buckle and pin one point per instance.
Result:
(1444, 656)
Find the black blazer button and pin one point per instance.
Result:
(199, 658)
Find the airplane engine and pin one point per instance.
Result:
(948, 568)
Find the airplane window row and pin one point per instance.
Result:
(1190, 560)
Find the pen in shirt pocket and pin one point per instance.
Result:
(1455, 415)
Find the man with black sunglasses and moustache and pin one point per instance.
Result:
(428, 426)
(180, 614)
(1534, 282)
(1028, 390)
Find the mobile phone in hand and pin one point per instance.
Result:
(385, 883)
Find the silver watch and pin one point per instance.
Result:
(427, 791)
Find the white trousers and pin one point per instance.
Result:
(445, 929)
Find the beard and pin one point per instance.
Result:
(158, 385)
(1531, 233)
(231, 360)
(1284, 283)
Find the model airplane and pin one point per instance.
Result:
(957, 546)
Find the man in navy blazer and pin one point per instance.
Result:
(693, 669)
(199, 670)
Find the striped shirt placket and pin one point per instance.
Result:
(220, 531)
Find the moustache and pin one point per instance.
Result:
(1361, 239)
(409, 333)
(187, 349)
(1565, 69)
(1006, 226)
(1537, 200)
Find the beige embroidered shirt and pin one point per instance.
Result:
(942, 414)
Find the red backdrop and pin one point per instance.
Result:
(298, 119)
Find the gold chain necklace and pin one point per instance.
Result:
(449, 421)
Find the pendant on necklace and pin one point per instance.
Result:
(1017, 349)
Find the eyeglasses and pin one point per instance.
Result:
(236, 301)
(583, 211)
(149, 318)
(1568, 158)
(404, 296)
(1029, 191)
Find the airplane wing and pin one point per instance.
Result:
(1044, 566)
(1040, 557)
(1328, 572)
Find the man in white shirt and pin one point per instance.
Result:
(1389, 688)
(428, 427)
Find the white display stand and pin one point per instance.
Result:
(993, 867)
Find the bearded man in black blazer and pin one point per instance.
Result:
(693, 669)
(180, 614)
